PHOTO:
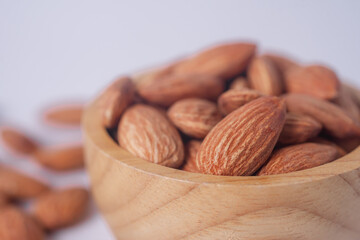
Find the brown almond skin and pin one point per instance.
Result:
(240, 83)
(17, 225)
(283, 63)
(341, 151)
(315, 80)
(354, 93)
(18, 142)
(61, 158)
(62, 208)
(155, 74)
(191, 149)
(64, 115)
(233, 99)
(337, 122)
(194, 116)
(349, 143)
(19, 186)
(241, 142)
(298, 128)
(346, 102)
(299, 157)
(265, 77)
(145, 132)
(117, 97)
(3, 200)
(169, 89)
(223, 61)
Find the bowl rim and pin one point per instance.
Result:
(94, 132)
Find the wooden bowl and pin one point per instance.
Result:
(144, 201)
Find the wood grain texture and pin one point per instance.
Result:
(142, 201)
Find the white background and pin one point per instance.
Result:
(67, 50)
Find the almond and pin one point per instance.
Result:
(117, 97)
(315, 80)
(3, 200)
(223, 61)
(19, 186)
(265, 77)
(61, 158)
(347, 103)
(233, 99)
(59, 209)
(240, 83)
(341, 151)
(18, 142)
(64, 115)
(241, 142)
(146, 133)
(17, 225)
(169, 89)
(348, 144)
(334, 119)
(282, 63)
(299, 128)
(194, 116)
(191, 149)
(299, 157)
(354, 93)
(155, 74)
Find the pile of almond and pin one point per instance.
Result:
(50, 209)
(230, 111)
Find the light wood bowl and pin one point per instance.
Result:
(144, 201)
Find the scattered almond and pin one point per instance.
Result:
(61, 158)
(145, 132)
(117, 97)
(265, 77)
(64, 115)
(315, 80)
(17, 141)
(59, 209)
(17, 225)
(223, 61)
(299, 157)
(19, 186)
(241, 142)
(233, 99)
(191, 149)
(194, 116)
(240, 83)
(169, 89)
(299, 128)
(334, 119)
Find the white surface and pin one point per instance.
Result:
(53, 50)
